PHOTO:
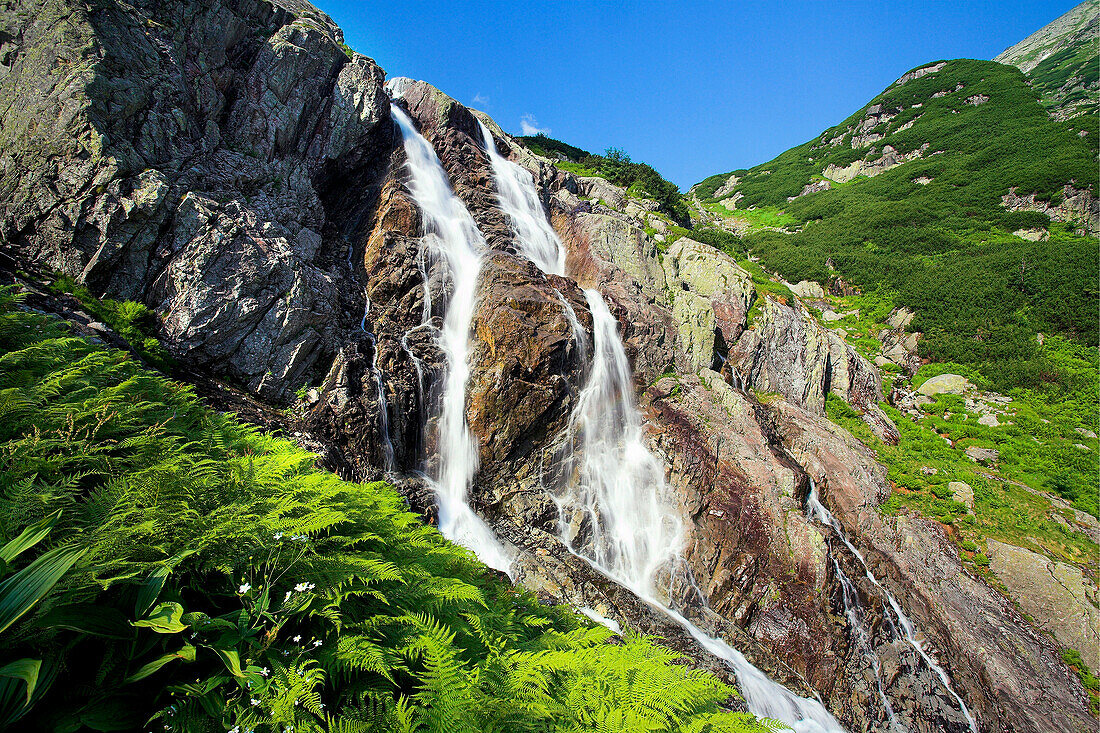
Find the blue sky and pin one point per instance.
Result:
(692, 88)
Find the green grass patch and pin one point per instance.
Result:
(922, 464)
(132, 321)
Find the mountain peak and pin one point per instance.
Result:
(1078, 26)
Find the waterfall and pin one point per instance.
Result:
(535, 238)
(618, 504)
(819, 511)
(379, 391)
(451, 240)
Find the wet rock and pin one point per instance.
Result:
(1017, 681)
(613, 254)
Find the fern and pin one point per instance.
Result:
(225, 582)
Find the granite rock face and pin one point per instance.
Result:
(183, 154)
(1058, 596)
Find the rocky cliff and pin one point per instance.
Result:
(232, 165)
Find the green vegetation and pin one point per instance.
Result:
(946, 249)
(132, 321)
(546, 146)
(1070, 77)
(1072, 657)
(616, 166)
(757, 219)
(705, 188)
(165, 565)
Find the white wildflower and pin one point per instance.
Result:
(297, 638)
(245, 587)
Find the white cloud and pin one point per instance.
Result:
(528, 125)
(481, 99)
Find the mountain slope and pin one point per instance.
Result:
(1061, 60)
(933, 193)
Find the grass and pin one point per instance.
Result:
(1002, 510)
(758, 219)
(1038, 447)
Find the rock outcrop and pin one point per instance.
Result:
(1078, 206)
(183, 155)
(990, 650)
(1058, 596)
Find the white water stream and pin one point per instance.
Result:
(451, 240)
(819, 511)
(535, 238)
(620, 499)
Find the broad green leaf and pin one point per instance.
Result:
(21, 591)
(23, 669)
(89, 618)
(198, 689)
(30, 537)
(164, 619)
(116, 713)
(232, 661)
(154, 584)
(186, 653)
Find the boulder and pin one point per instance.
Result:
(945, 384)
(982, 455)
(808, 289)
(962, 491)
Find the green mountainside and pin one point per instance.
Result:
(907, 197)
(1062, 62)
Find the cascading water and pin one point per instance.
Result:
(634, 533)
(379, 392)
(519, 198)
(451, 240)
(618, 497)
(621, 492)
(819, 511)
